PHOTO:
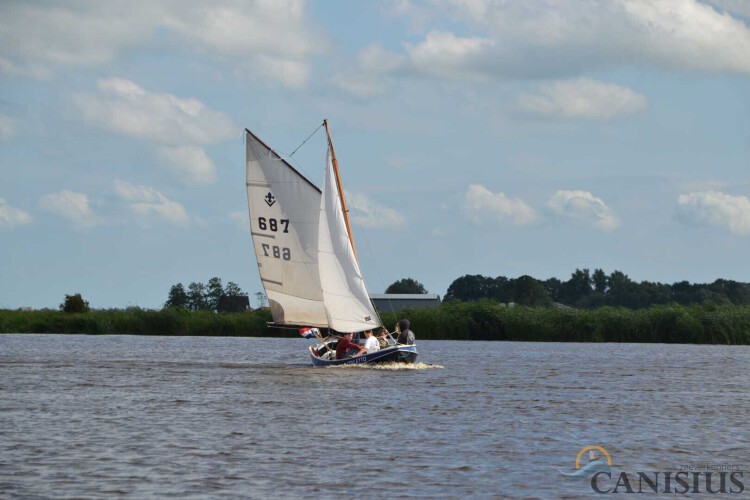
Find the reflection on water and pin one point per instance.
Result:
(224, 417)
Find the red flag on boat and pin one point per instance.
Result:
(309, 333)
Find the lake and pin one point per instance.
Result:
(200, 417)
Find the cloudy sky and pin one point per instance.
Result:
(475, 137)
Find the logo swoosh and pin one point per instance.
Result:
(588, 470)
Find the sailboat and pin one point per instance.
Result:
(306, 256)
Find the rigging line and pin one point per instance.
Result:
(303, 142)
(293, 160)
(380, 276)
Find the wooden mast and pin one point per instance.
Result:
(341, 188)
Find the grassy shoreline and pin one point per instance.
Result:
(480, 320)
(138, 322)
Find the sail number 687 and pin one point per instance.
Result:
(273, 224)
(277, 252)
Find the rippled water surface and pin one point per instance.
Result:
(138, 417)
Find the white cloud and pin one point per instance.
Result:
(125, 107)
(11, 217)
(179, 125)
(715, 208)
(145, 202)
(375, 57)
(688, 34)
(451, 57)
(583, 207)
(191, 164)
(272, 40)
(367, 213)
(583, 98)
(72, 206)
(481, 204)
(543, 39)
(36, 37)
(371, 73)
(7, 127)
(419, 15)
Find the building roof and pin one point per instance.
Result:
(405, 296)
(400, 301)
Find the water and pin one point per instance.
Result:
(139, 417)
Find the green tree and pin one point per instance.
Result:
(622, 291)
(736, 293)
(74, 304)
(471, 287)
(502, 289)
(529, 292)
(685, 293)
(599, 278)
(576, 288)
(177, 297)
(214, 291)
(552, 286)
(197, 296)
(407, 285)
(233, 290)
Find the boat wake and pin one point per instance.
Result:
(395, 366)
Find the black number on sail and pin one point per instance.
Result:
(273, 224)
(276, 251)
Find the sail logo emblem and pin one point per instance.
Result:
(270, 199)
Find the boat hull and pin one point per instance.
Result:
(396, 354)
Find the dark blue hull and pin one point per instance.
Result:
(401, 353)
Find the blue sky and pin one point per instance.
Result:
(474, 137)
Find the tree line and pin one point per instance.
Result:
(211, 296)
(456, 320)
(588, 290)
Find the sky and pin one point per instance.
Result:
(474, 137)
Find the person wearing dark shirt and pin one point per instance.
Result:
(345, 346)
(405, 335)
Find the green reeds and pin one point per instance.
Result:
(136, 321)
(673, 323)
(478, 320)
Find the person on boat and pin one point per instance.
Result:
(346, 348)
(382, 338)
(405, 335)
(371, 342)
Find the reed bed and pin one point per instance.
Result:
(476, 320)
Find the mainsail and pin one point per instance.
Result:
(346, 300)
(284, 210)
(303, 245)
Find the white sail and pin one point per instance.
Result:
(347, 303)
(284, 212)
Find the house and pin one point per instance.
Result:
(234, 303)
(386, 302)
